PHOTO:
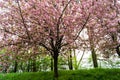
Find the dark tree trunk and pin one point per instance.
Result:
(71, 67)
(21, 66)
(28, 66)
(55, 57)
(70, 61)
(15, 66)
(118, 51)
(114, 38)
(51, 64)
(92, 47)
(94, 57)
(34, 65)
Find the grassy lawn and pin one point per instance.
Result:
(92, 74)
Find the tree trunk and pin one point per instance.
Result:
(21, 66)
(28, 66)
(92, 47)
(94, 57)
(15, 66)
(51, 64)
(75, 60)
(55, 57)
(114, 38)
(80, 59)
(34, 65)
(118, 51)
(70, 61)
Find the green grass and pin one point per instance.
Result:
(92, 74)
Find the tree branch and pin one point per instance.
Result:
(59, 19)
(7, 31)
(47, 48)
(10, 44)
(23, 21)
(82, 27)
(79, 31)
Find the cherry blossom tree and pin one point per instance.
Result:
(103, 25)
(48, 23)
(109, 22)
(105, 22)
(55, 24)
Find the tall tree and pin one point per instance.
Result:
(48, 23)
(102, 23)
(52, 24)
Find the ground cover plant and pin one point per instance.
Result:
(90, 74)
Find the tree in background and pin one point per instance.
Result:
(103, 21)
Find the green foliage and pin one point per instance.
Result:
(91, 74)
(62, 63)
